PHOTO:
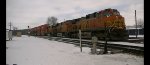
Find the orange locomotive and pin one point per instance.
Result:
(98, 23)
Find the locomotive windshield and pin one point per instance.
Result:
(108, 12)
(115, 12)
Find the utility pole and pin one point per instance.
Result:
(10, 25)
(10, 32)
(107, 33)
(105, 45)
(28, 31)
(136, 24)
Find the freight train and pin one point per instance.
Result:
(98, 23)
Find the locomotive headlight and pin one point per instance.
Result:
(107, 15)
(120, 28)
(117, 17)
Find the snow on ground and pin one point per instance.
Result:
(135, 35)
(38, 51)
(127, 43)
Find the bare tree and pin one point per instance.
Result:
(15, 28)
(140, 23)
(52, 21)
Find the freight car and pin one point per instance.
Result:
(97, 23)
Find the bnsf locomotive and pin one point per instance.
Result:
(96, 23)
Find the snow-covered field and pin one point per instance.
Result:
(38, 51)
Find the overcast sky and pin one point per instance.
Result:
(23, 13)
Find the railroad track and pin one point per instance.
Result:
(100, 45)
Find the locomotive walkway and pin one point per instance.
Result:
(38, 51)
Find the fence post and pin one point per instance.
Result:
(80, 40)
(94, 44)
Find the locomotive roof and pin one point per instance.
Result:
(88, 15)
